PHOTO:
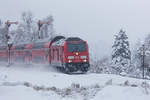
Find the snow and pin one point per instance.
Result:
(121, 93)
(40, 82)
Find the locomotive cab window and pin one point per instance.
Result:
(76, 47)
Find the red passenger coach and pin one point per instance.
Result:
(3, 54)
(68, 54)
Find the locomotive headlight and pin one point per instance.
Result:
(83, 57)
(69, 61)
(77, 53)
(84, 60)
(70, 57)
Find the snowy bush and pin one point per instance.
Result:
(146, 87)
(109, 82)
(100, 66)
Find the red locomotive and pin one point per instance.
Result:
(68, 54)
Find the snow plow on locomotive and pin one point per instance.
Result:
(68, 54)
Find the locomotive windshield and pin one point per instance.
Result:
(72, 47)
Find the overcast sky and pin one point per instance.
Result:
(94, 20)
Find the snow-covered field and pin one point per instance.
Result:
(45, 83)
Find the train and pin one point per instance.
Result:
(69, 54)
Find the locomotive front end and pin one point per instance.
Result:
(76, 55)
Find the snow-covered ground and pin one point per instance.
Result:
(45, 83)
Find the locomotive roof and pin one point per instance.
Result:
(74, 39)
(59, 40)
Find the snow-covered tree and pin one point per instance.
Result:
(100, 65)
(147, 54)
(136, 56)
(136, 62)
(27, 18)
(26, 28)
(2, 34)
(147, 41)
(121, 54)
(19, 36)
(47, 30)
(0, 23)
